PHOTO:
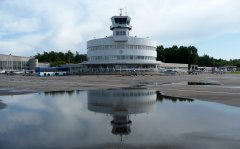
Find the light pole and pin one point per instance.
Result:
(163, 58)
(189, 59)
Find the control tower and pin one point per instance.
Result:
(120, 27)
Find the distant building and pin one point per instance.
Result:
(75, 69)
(228, 68)
(12, 62)
(174, 66)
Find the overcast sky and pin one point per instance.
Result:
(28, 27)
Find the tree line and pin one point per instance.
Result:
(60, 58)
(189, 55)
(185, 55)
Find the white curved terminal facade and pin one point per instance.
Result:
(121, 51)
(135, 50)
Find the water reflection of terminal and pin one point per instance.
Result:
(121, 103)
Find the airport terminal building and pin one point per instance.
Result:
(120, 51)
(11, 62)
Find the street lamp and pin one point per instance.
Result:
(163, 57)
(189, 59)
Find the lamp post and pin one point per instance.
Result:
(9, 62)
(163, 58)
(189, 59)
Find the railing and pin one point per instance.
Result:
(117, 71)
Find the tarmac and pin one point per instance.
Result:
(225, 88)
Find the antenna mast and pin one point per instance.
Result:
(120, 9)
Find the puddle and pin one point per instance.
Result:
(14, 91)
(116, 118)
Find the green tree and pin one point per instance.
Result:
(160, 53)
(57, 63)
(175, 54)
(59, 58)
(192, 55)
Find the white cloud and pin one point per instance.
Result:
(63, 25)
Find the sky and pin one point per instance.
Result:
(28, 27)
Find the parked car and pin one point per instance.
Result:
(132, 73)
(194, 72)
(170, 72)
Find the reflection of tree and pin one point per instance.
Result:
(161, 97)
(2, 105)
(53, 93)
(78, 91)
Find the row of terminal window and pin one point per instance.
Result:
(137, 103)
(120, 33)
(121, 46)
(123, 94)
(14, 64)
(121, 57)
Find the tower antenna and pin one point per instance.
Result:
(120, 9)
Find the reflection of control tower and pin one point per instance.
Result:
(120, 103)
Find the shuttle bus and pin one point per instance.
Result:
(51, 71)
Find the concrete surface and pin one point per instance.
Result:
(228, 92)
